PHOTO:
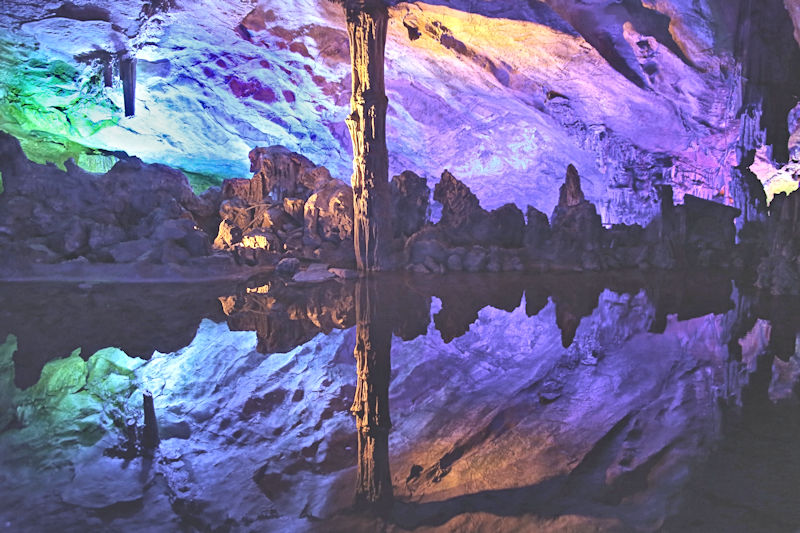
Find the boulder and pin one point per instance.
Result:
(130, 251)
(428, 242)
(313, 276)
(328, 213)
(475, 260)
(288, 266)
(410, 203)
(454, 263)
(102, 235)
(279, 173)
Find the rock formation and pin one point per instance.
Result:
(366, 27)
(134, 213)
(576, 226)
(779, 269)
(410, 203)
(290, 206)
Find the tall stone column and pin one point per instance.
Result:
(371, 402)
(366, 26)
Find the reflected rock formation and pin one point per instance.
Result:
(371, 402)
(494, 423)
(386, 304)
(137, 318)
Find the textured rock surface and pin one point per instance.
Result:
(779, 269)
(133, 213)
(410, 203)
(511, 86)
(290, 205)
(366, 27)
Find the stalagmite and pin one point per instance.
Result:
(150, 432)
(127, 72)
(366, 25)
(371, 403)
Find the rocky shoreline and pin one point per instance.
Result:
(141, 221)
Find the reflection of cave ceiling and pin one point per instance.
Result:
(504, 94)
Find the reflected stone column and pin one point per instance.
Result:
(371, 403)
(366, 26)
(127, 72)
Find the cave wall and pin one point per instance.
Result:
(503, 94)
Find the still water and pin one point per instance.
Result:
(397, 403)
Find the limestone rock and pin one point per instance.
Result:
(288, 266)
(576, 226)
(459, 204)
(570, 193)
(537, 230)
(466, 222)
(140, 203)
(429, 242)
(280, 173)
(313, 276)
(294, 207)
(264, 239)
(328, 213)
(410, 203)
(130, 251)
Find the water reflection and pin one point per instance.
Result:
(583, 431)
(285, 316)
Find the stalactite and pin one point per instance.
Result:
(366, 25)
(371, 402)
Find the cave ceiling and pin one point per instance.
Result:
(504, 94)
